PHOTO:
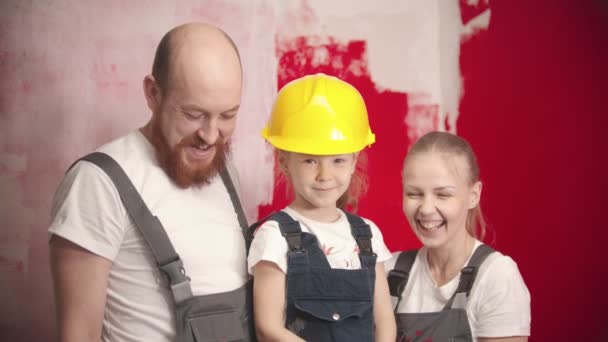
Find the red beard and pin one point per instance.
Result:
(183, 172)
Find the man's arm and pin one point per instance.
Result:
(80, 282)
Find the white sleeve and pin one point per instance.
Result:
(378, 243)
(390, 263)
(87, 211)
(268, 244)
(503, 305)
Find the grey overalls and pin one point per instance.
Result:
(325, 304)
(450, 324)
(225, 316)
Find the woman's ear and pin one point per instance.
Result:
(475, 194)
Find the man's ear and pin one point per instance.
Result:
(152, 93)
(475, 194)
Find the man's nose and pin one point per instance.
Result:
(209, 131)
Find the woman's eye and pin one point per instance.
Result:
(413, 195)
(444, 195)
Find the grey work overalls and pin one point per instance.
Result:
(225, 316)
(450, 324)
(325, 304)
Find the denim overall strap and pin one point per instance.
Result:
(303, 249)
(325, 304)
(290, 229)
(363, 236)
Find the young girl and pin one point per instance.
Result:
(315, 265)
(455, 288)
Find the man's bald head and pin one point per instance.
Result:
(194, 94)
(205, 36)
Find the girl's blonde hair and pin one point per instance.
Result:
(349, 201)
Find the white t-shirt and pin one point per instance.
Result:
(201, 223)
(335, 239)
(498, 304)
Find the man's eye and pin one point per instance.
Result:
(228, 116)
(192, 116)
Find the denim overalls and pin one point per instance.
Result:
(450, 324)
(219, 317)
(325, 304)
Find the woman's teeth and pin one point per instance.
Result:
(430, 225)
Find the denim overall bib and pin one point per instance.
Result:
(448, 325)
(225, 316)
(325, 304)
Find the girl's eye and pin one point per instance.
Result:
(339, 160)
(444, 195)
(413, 195)
(308, 161)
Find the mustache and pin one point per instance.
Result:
(195, 140)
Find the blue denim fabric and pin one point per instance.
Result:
(325, 304)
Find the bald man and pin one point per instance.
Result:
(108, 285)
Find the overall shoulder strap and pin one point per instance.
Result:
(234, 197)
(290, 229)
(362, 234)
(469, 272)
(399, 275)
(149, 225)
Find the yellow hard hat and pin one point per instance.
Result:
(320, 115)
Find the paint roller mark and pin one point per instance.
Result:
(387, 109)
(422, 116)
(17, 218)
(4, 58)
(301, 55)
(475, 16)
(471, 9)
(26, 87)
(11, 265)
(106, 76)
(216, 11)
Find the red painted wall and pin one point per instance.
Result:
(534, 109)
